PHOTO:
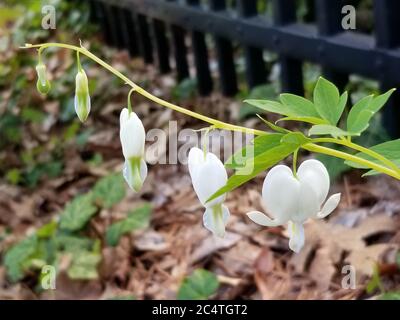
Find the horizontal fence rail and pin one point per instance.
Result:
(339, 52)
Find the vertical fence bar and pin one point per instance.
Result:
(146, 46)
(203, 74)
(387, 26)
(226, 63)
(160, 37)
(255, 67)
(328, 14)
(115, 26)
(123, 28)
(132, 33)
(284, 12)
(93, 11)
(178, 36)
(102, 19)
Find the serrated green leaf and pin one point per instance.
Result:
(77, 213)
(200, 285)
(269, 105)
(389, 149)
(254, 166)
(298, 106)
(16, 257)
(137, 219)
(327, 129)
(362, 112)
(327, 101)
(109, 190)
(259, 145)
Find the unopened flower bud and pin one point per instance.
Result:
(82, 98)
(42, 84)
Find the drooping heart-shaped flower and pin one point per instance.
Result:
(133, 138)
(43, 83)
(82, 97)
(293, 199)
(208, 174)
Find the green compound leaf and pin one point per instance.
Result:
(327, 129)
(269, 106)
(17, 257)
(259, 145)
(77, 213)
(298, 106)
(109, 190)
(137, 219)
(328, 103)
(84, 265)
(254, 166)
(362, 112)
(200, 285)
(389, 149)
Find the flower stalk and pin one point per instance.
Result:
(387, 166)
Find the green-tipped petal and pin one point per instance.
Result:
(135, 172)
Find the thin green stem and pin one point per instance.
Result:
(217, 124)
(78, 61)
(362, 149)
(343, 155)
(129, 100)
(295, 154)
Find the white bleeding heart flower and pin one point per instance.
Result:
(208, 175)
(293, 200)
(133, 138)
(82, 97)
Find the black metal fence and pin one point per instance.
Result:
(157, 29)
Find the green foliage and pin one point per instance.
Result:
(254, 166)
(328, 103)
(109, 190)
(84, 265)
(137, 219)
(327, 129)
(362, 112)
(18, 257)
(264, 91)
(200, 285)
(390, 296)
(185, 90)
(259, 145)
(298, 106)
(77, 213)
(389, 149)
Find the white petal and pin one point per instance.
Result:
(124, 115)
(207, 179)
(329, 206)
(281, 193)
(133, 137)
(296, 236)
(262, 219)
(308, 205)
(315, 173)
(215, 219)
(195, 158)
